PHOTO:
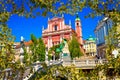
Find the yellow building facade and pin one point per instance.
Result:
(90, 46)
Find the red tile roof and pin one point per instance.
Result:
(26, 44)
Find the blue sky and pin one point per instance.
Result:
(22, 26)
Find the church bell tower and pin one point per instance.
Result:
(78, 30)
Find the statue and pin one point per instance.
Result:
(63, 48)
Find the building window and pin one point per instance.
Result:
(77, 24)
(55, 27)
(59, 42)
(53, 43)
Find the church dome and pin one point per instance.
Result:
(91, 38)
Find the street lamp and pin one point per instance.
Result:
(21, 55)
(46, 56)
(21, 50)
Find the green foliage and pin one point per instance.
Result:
(74, 48)
(34, 39)
(112, 40)
(53, 48)
(66, 73)
(52, 51)
(7, 57)
(41, 49)
(27, 57)
(110, 69)
(6, 47)
(32, 8)
(4, 17)
(38, 49)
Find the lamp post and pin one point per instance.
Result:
(20, 75)
(21, 50)
(21, 55)
(46, 56)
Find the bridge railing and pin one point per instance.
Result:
(49, 64)
(5, 74)
(89, 62)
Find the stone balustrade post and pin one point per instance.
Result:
(5, 75)
(100, 61)
(74, 61)
(87, 62)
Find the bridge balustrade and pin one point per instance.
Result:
(5, 74)
(85, 63)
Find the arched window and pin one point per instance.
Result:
(55, 27)
(77, 24)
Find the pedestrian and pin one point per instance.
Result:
(96, 59)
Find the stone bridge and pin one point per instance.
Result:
(83, 64)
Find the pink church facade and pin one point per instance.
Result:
(57, 30)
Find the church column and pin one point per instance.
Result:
(60, 25)
(63, 24)
(51, 42)
(71, 36)
(48, 43)
(48, 27)
(61, 38)
(55, 43)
